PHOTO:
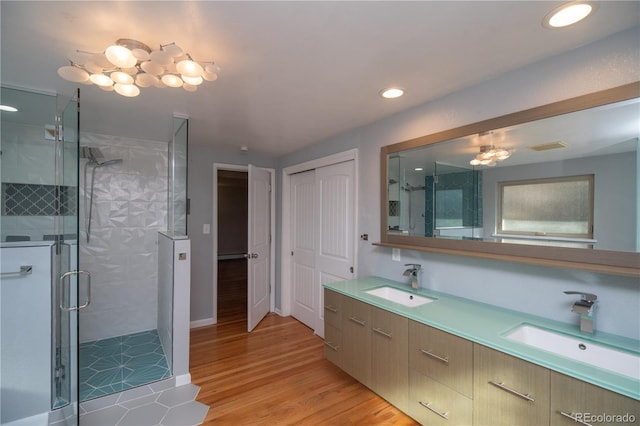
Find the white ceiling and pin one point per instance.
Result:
(293, 73)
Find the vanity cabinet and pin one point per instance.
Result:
(356, 341)
(389, 358)
(333, 327)
(441, 376)
(575, 402)
(507, 390)
(442, 379)
(442, 356)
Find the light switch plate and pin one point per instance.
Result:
(206, 228)
(395, 254)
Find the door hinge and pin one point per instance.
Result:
(291, 252)
(269, 187)
(351, 269)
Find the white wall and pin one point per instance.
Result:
(608, 63)
(130, 207)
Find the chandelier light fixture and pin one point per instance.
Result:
(128, 65)
(490, 154)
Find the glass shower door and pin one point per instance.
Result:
(71, 289)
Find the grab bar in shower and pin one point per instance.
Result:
(24, 270)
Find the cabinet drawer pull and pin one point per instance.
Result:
(444, 359)
(428, 406)
(381, 331)
(501, 385)
(574, 418)
(357, 321)
(331, 308)
(335, 348)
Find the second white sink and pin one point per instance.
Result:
(608, 358)
(398, 296)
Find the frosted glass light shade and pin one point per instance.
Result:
(120, 56)
(75, 74)
(173, 50)
(101, 80)
(161, 57)
(146, 80)
(93, 68)
(128, 90)
(189, 88)
(209, 76)
(121, 77)
(172, 80)
(189, 68)
(152, 68)
(141, 54)
(79, 58)
(101, 60)
(193, 81)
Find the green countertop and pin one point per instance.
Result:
(486, 325)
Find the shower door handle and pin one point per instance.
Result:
(66, 278)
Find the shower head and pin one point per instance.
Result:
(109, 162)
(91, 153)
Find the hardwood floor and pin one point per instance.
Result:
(277, 375)
(232, 290)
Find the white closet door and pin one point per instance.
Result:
(259, 229)
(335, 229)
(322, 232)
(303, 247)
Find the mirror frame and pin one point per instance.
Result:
(605, 261)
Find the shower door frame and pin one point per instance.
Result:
(65, 274)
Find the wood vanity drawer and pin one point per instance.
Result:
(442, 356)
(432, 403)
(507, 390)
(389, 360)
(333, 308)
(356, 349)
(333, 344)
(574, 398)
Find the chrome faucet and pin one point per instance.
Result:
(413, 273)
(585, 307)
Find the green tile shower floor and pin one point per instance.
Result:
(120, 363)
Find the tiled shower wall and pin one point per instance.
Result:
(28, 175)
(130, 207)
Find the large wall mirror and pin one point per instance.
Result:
(554, 185)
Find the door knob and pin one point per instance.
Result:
(254, 255)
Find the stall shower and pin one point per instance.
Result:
(123, 204)
(82, 215)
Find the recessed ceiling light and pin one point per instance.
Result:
(568, 14)
(8, 108)
(418, 169)
(392, 92)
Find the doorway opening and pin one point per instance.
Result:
(232, 198)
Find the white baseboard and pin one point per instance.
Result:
(38, 419)
(183, 379)
(202, 323)
(279, 312)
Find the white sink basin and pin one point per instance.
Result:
(398, 296)
(618, 361)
